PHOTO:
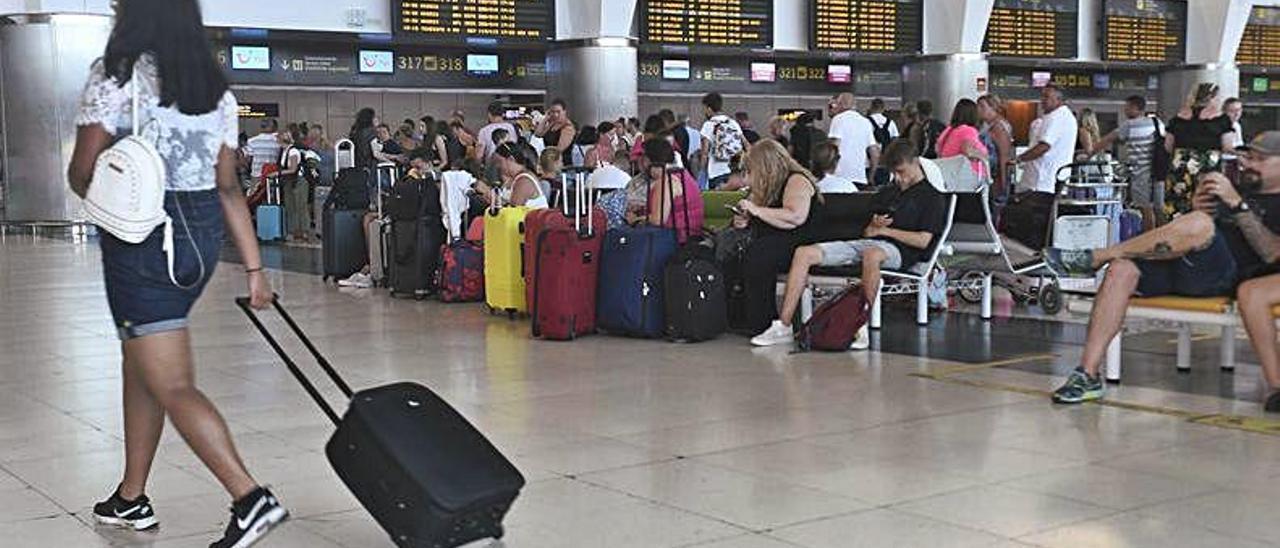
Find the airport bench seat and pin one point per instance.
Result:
(1185, 312)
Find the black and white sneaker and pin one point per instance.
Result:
(131, 514)
(252, 518)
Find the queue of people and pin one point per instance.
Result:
(787, 174)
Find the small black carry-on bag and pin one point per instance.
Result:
(428, 477)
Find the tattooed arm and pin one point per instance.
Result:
(1263, 241)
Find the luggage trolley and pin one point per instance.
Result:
(1084, 215)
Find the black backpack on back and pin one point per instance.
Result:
(881, 132)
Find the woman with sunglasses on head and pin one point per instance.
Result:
(1196, 139)
(518, 166)
(159, 51)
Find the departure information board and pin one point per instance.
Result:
(1148, 31)
(715, 23)
(871, 26)
(1261, 43)
(1034, 28)
(464, 20)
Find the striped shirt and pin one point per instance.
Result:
(1139, 138)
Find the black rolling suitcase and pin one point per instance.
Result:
(416, 256)
(428, 477)
(343, 243)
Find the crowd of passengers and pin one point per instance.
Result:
(1210, 203)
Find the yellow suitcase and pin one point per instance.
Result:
(504, 259)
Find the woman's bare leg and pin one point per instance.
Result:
(163, 361)
(143, 424)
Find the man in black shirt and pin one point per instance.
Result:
(1230, 237)
(909, 217)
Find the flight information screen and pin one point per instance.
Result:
(462, 20)
(717, 23)
(1261, 43)
(871, 26)
(1033, 28)
(1150, 31)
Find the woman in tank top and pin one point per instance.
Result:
(518, 165)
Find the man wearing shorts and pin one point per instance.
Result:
(1230, 237)
(909, 217)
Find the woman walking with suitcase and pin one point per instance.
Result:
(158, 59)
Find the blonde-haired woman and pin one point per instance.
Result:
(997, 133)
(1195, 139)
(1090, 133)
(783, 194)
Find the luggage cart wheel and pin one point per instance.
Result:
(971, 287)
(1051, 299)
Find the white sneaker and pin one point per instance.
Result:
(775, 335)
(359, 280)
(863, 339)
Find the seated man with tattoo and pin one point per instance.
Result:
(1230, 237)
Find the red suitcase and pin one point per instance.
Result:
(562, 251)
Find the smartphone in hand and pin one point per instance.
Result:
(735, 210)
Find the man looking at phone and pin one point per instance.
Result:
(1232, 234)
(909, 216)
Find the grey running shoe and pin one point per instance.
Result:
(1070, 262)
(1080, 388)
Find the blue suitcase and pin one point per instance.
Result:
(270, 223)
(270, 216)
(1130, 224)
(632, 267)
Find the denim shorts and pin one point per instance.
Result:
(142, 298)
(849, 253)
(1210, 272)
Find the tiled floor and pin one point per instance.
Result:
(635, 443)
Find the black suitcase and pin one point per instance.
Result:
(428, 477)
(415, 256)
(696, 301)
(342, 243)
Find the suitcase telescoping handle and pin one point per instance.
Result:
(243, 303)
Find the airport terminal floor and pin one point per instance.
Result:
(940, 436)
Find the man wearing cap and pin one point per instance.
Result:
(1232, 236)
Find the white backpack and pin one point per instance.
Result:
(126, 195)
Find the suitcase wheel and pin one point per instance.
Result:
(511, 314)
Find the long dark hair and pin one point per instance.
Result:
(364, 120)
(173, 32)
(522, 153)
(965, 114)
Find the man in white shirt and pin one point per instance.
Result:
(484, 140)
(719, 150)
(859, 151)
(880, 120)
(612, 175)
(1054, 146)
(264, 148)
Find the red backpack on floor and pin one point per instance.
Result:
(835, 324)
